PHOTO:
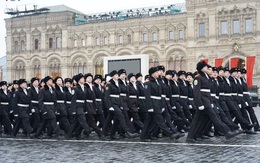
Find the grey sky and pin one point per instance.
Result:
(85, 6)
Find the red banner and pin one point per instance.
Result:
(250, 63)
(205, 60)
(218, 62)
(234, 62)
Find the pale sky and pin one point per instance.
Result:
(85, 6)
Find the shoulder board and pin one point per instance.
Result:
(197, 75)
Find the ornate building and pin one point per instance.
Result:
(64, 42)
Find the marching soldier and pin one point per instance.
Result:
(69, 92)
(191, 104)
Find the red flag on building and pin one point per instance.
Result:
(218, 62)
(250, 63)
(233, 62)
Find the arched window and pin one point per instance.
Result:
(120, 39)
(79, 66)
(75, 43)
(105, 40)
(154, 37)
(16, 46)
(99, 67)
(153, 62)
(58, 43)
(54, 68)
(22, 45)
(19, 70)
(171, 64)
(50, 43)
(171, 35)
(36, 44)
(97, 41)
(145, 38)
(37, 69)
(129, 39)
(83, 42)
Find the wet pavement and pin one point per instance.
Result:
(244, 148)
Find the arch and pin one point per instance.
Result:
(124, 51)
(154, 29)
(120, 32)
(36, 67)
(76, 55)
(176, 57)
(99, 52)
(19, 68)
(149, 49)
(53, 56)
(129, 31)
(234, 54)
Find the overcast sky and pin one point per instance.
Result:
(85, 6)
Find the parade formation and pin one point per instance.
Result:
(213, 101)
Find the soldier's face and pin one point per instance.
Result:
(115, 77)
(227, 74)
(4, 87)
(234, 74)
(243, 75)
(98, 81)
(215, 74)
(205, 69)
(155, 75)
(81, 80)
(221, 72)
(35, 83)
(132, 79)
(210, 71)
(15, 86)
(123, 76)
(89, 79)
(160, 72)
(140, 79)
(59, 82)
(67, 84)
(49, 82)
(42, 84)
(239, 75)
(23, 85)
(182, 77)
(189, 78)
(168, 77)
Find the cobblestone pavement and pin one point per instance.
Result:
(244, 148)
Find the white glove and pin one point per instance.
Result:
(190, 106)
(11, 111)
(240, 106)
(150, 110)
(44, 113)
(138, 108)
(111, 109)
(86, 112)
(57, 113)
(73, 113)
(201, 107)
(16, 115)
(247, 104)
(33, 110)
(163, 109)
(212, 105)
(217, 107)
(121, 108)
(174, 107)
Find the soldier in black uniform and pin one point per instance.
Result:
(78, 104)
(154, 106)
(5, 104)
(99, 93)
(183, 88)
(12, 90)
(246, 97)
(133, 102)
(34, 90)
(90, 105)
(61, 109)
(141, 97)
(192, 107)
(69, 92)
(47, 103)
(203, 102)
(22, 101)
(113, 104)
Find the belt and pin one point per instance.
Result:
(183, 96)
(213, 94)
(163, 96)
(191, 99)
(48, 103)
(175, 95)
(234, 94)
(246, 93)
(60, 101)
(123, 94)
(141, 97)
(23, 105)
(80, 101)
(115, 96)
(167, 99)
(4, 103)
(228, 94)
(156, 97)
(205, 90)
(132, 96)
(89, 101)
(222, 94)
(35, 102)
(68, 102)
(241, 95)
(98, 99)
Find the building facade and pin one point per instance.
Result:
(53, 43)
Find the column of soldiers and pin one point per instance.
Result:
(210, 102)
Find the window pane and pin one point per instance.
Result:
(145, 37)
(58, 45)
(202, 30)
(50, 43)
(16, 46)
(75, 43)
(105, 40)
(82, 42)
(22, 46)
(180, 34)
(224, 27)
(129, 39)
(249, 26)
(97, 41)
(36, 42)
(154, 36)
(236, 26)
(120, 39)
(171, 35)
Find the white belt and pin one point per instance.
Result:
(35, 102)
(23, 105)
(141, 97)
(116, 96)
(191, 99)
(167, 99)
(156, 97)
(163, 96)
(183, 96)
(48, 103)
(234, 94)
(132, 96)
(222, 94)
(80, 101)
(213, 94)
(205, 90)
(89, 101)
(246, 93)
(68, 102)
(4, 103)
(98, 99)
(217, 97)
(123, 94)
(241, 95)
(175, 95)
(60, 101)
(228, 94)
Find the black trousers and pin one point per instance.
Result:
(22, 122)
(92, 123)
(180, 113)
(35, 121)
(5, 121)
(185, 108)
(136, 120)
(101, 119)
(80, 121)
(51, 125)
(252, 116)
